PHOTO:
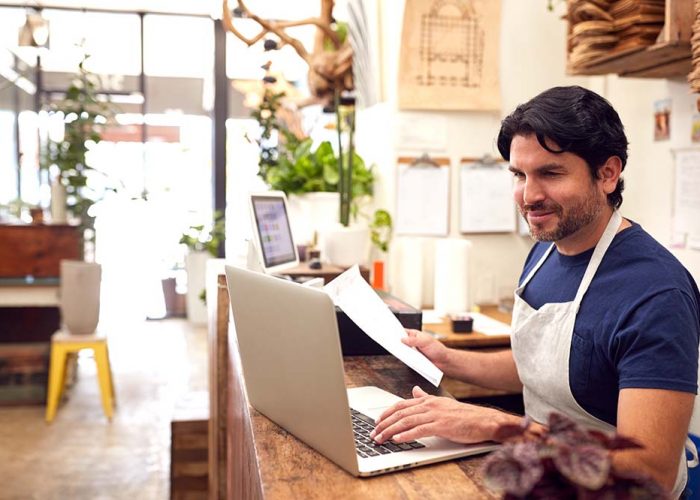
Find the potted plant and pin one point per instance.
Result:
(330, 78)
(311, 177)
(84, 116)
(563, 461)
(202, 244)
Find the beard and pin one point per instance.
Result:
(570, 219)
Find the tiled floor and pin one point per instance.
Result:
(83, 456)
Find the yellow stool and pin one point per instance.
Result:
(64, 344)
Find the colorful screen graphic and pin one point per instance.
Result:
(273, 227)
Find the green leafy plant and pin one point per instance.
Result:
(381, 228)
(200, 238)
(290, 163)
(85, 116)
(565, 461)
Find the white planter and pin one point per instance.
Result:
(312, 212)
(58, 203)
(80, 296)
(345, 246)
(196, 267)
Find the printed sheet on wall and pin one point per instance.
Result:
(486, 199)
(449, 55)
(423, 194)
(686, 202)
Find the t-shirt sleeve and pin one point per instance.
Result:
(657, 346)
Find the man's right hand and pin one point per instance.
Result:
(431, 348)
(493, 369)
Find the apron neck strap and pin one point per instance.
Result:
(597, 257)
(537, 266)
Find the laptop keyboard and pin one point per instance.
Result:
(362, 426)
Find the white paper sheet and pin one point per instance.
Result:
(422, 203)
(486, 199)
(489, 326)
(356, 298)
(686, 203)
(422, 132)
(433, 317)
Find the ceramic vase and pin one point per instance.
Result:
(312, 212)
(80, 296)
(196, 266)
(58, 203)
(345, 246)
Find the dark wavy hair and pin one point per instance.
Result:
(577, 121)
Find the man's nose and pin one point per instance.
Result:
(532, 192)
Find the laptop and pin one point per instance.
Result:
(293, 370)
(272, 233)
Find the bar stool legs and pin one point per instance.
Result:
(57, 380)
(62, 346)
(104, 376)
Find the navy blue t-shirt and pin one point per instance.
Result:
(638, 324)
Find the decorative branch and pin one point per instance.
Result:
(329, 70)
(277, 27)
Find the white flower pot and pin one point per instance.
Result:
(196, 267)
(80, 296)
(58, 203)
(345, 246)
(312, 212)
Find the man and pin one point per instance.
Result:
(605, 322)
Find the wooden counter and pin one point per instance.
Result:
(268, 462)
(327, 271)
(251, 457)
(472, 340)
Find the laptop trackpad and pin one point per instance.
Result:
(370, 400)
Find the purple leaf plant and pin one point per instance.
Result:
(564, 461)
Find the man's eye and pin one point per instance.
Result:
(518, 175)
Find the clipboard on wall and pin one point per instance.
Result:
(423, 196)
(486, 196)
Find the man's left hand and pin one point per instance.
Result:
(427, 415)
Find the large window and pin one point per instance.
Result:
(178, 46)
(11, 20)
(8, 160)
(113, 42)
(31, 190)
(164, 187)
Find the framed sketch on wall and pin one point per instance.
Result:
(449, 55)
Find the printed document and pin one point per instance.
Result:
(489, 326)
(361, 303)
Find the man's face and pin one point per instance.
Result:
(555, 193)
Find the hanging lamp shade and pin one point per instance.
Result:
(34, 32)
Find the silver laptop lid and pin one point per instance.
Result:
(292, 363)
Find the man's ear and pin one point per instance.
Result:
(609, 174)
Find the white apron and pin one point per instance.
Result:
(541, 342)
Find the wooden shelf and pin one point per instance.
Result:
(669, 57)
(662, 60)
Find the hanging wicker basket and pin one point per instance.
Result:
(694, 76)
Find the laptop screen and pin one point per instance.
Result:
(274, 232)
